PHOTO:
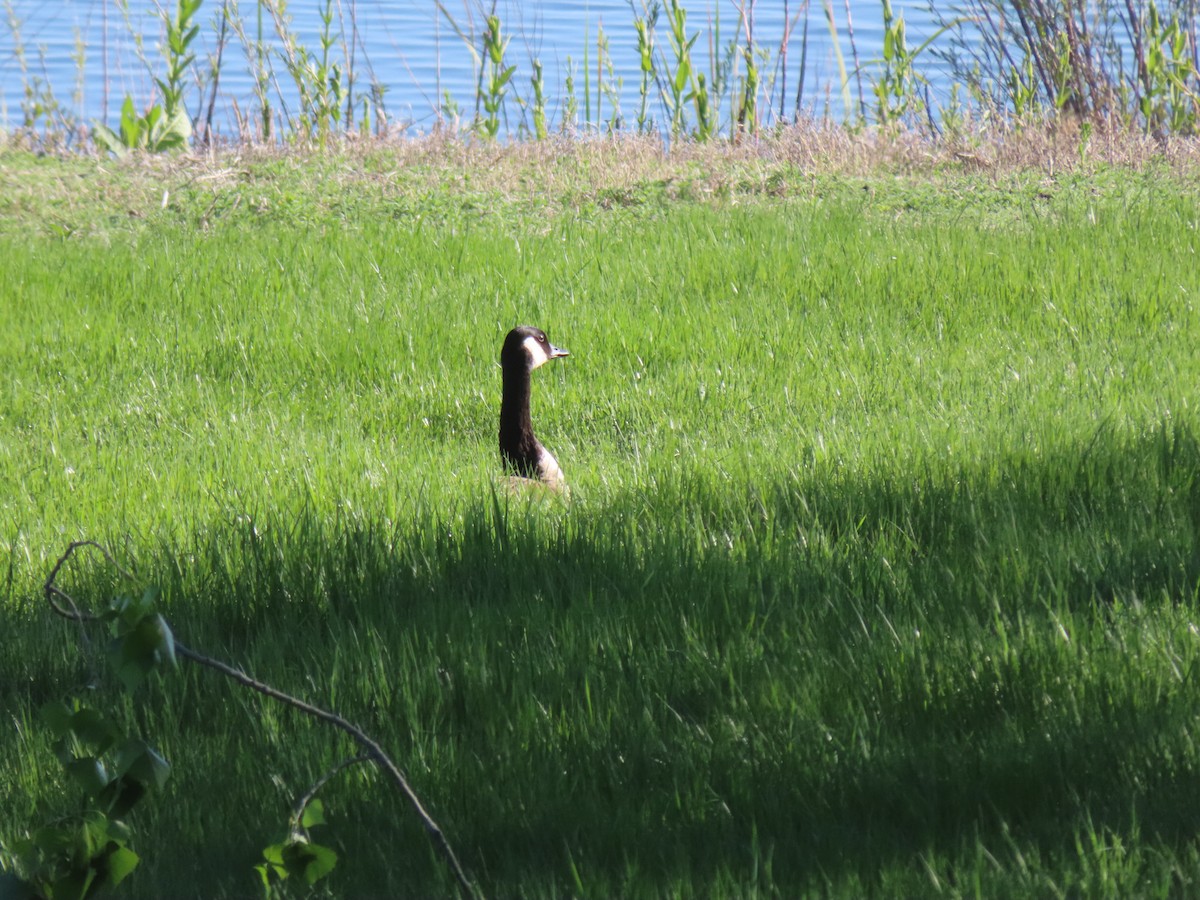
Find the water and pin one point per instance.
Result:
(83, 52)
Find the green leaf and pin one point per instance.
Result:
(128, 113)
(97, 831)
(166, 646)
(492, 38)
(140, 650)
(149, 121)
(164, 89)
(85, 725)
(54, 840)
(57, 716)
(89, 773)
(173, 133)
(106, 140)
(681, 76)
(93, 729)
(143, 764)
(119, 863)
(314, 814)
(274, 854)
(77, 884)
(308, 861)
(132, 665)
(265, 871)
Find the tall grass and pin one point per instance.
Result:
(880, 574)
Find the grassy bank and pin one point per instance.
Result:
(880, 574)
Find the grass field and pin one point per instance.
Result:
(880, 575)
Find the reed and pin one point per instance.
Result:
(1111, 63)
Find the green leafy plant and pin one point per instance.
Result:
(165, 125)
(325, 77)
(747, 115)
(496, 75)
(538, 81)
(153, 131)
(570, 113)
(79, 854)
(450, 110)
(745, 100)
(177, 52)
(1023, 88)
(896, 89)
(953, 115)
(680, 83)
(645, 38)
(297, 856)
(1064, 75)
(705, 121)
(1169, 102)
(318, 80)
(608, 84)
(262, 74)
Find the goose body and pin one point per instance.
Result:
(525, 348)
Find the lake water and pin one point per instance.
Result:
(85, 53)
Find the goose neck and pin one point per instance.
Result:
(514, 403)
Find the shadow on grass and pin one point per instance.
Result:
(812, 683)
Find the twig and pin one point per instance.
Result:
(307, 797)
(803, 63)
(53, 590)
(212, 99)
(1036, 50)
(862, 103)
(1134, 27)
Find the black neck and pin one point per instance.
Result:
(517, 443)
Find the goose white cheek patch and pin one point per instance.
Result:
(537, 353)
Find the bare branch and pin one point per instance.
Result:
(52, 590)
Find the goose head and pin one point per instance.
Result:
(527, 348)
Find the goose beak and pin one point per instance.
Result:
(556, 352)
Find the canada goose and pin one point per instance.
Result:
(525, 349)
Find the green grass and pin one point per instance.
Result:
(880, 575)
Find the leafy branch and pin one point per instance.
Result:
(144, 643)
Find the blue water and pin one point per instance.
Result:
(83, 52)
